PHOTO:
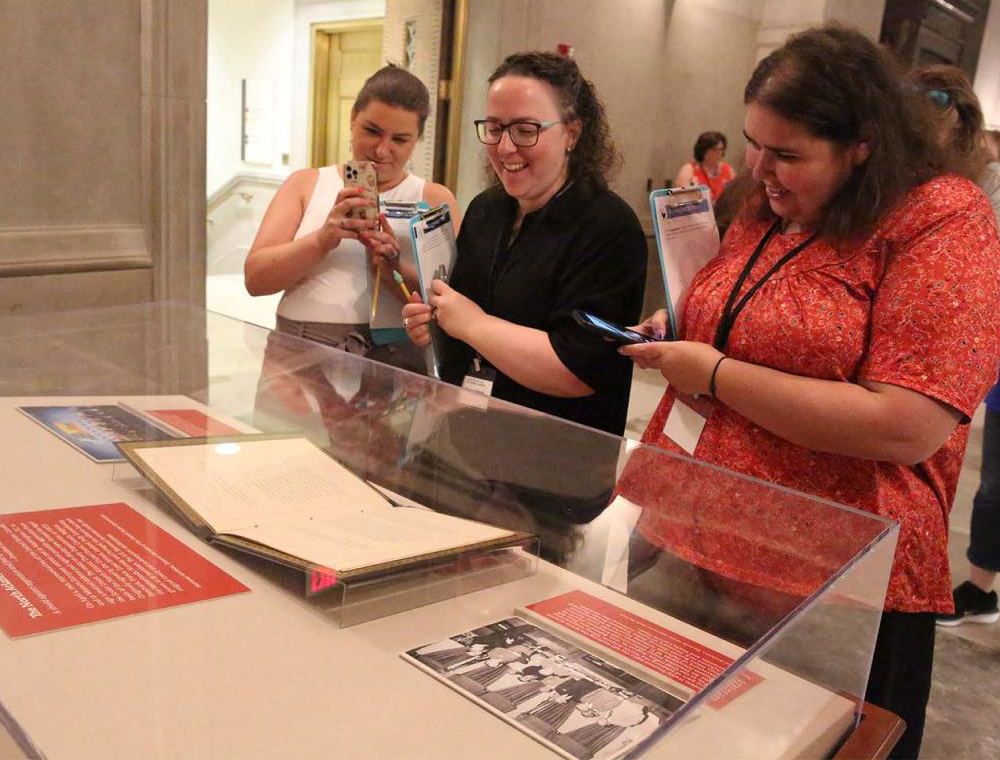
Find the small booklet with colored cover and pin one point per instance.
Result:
(95, 430)
(285, 499)
(592, 679)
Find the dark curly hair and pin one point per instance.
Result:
(840, 86)
(397, 87)
(594, 157)
(965, 152)
(705, 142)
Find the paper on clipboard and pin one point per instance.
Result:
(687, 238)
(433, 237)
(387, 326)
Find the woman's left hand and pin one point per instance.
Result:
(686, 365)
(457, 315)
(382, 247)
(416, 320)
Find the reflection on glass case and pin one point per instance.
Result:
(429, 571)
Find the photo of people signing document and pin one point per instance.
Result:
(569, 700)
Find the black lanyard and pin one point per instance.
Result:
(731, 312)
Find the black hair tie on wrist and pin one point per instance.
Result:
(711, 380)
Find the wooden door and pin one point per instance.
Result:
(343, 60)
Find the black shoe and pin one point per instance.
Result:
(972, 605)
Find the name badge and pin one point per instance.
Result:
(480, 378)
(478, 385)
(687, 420)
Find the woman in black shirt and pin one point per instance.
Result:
(548, 238)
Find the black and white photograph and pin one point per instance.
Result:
(568, 699)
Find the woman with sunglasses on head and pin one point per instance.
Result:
(312, 248)
(708, 168)
(547, 238)
(958, 118)
(843, 336)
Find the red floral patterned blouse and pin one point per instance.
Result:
(916, 305)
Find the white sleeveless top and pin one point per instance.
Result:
(336, 291)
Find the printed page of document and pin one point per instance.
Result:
(688, 238)
(435, 248)
(289, 495)
(434, 252)
(389, 311)
(371, 537)
(250, 483)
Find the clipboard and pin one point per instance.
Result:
(432, 237)
(387, 326)
(687, 238)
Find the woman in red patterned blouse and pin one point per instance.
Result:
(852, 371)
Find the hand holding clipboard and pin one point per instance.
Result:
(687, 238)
(434, 251)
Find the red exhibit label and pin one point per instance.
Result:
(192, 422)
(322, 578)
(66, 567)
(677, 657)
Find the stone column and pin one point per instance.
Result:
(103, 193)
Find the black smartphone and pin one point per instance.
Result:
(609, 330)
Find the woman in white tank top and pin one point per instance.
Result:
(309, 248)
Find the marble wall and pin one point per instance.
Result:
(103, 198)
(656, 65)
(667, 70)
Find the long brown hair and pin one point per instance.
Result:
(841, 87)
(965, 153)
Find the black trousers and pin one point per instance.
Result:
(984, 541)
(900, 678)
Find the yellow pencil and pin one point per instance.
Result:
(402, 285)
(378, 279)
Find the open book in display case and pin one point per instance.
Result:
(283, 499)
(484, 575)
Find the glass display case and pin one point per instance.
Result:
(636, 603)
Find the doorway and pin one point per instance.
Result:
(344, 56)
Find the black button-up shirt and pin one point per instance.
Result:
(583, 250)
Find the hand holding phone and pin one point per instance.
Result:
(610, 331)
(362, 174)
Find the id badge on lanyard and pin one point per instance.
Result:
(689, 414)
(687, 419)
(480, 378)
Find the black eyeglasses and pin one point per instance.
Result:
(523, 134)
(939, 98)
